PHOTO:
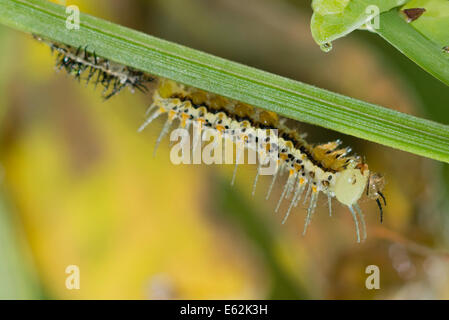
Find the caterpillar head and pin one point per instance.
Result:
(352, 181)
(350, 184)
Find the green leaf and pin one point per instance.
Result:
(286, 97)
(434, 23)
(333, 19)
(425, 40)
(417, 47)
(325, 7)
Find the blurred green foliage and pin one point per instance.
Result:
(434, 23)
(333, 19)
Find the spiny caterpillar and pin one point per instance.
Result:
(312, 169)
(112, 76)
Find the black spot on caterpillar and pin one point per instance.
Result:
(312, 169)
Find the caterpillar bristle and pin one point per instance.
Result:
(273, 181)
(311, 208)
(362, 221)
(354, 217)
(296, 198)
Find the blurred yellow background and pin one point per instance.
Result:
(79, 185)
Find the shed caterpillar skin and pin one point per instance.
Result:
(113, 77)
(311, 169)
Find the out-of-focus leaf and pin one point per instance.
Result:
(284, 285)
(325, 7)
(415, 45)
(333, 19)
(4, 58)
(434, 23)
(15, 280)
(426, 44)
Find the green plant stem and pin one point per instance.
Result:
(418, 48)
(286, 97)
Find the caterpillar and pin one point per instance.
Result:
(311, 169)
(113, 77)
(323, 168)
